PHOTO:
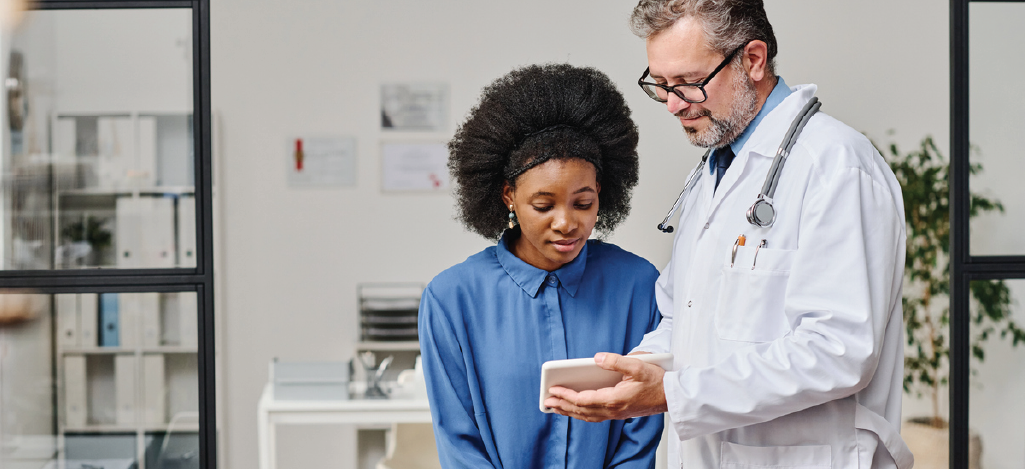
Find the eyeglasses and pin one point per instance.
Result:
(690, 92)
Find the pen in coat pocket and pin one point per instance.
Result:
(755, 260)
(739, 242)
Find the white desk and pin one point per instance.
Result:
(356, 411)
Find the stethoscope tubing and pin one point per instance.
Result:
(771, 178)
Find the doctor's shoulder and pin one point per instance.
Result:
(829, 145)
(615, 261)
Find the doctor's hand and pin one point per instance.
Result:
(640, 393)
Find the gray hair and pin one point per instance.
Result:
(727, 24)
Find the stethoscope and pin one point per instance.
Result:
(761, 213)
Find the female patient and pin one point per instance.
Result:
(547, 156)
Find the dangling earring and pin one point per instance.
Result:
(512, 217)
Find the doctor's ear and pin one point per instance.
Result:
(756, 60)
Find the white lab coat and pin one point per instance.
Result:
(793, 358)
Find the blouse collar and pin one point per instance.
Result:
(530, 278)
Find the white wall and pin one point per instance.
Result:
(292, 258)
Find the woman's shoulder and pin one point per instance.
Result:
(607, 256)
(474, 267)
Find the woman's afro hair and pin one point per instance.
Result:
(535, 114)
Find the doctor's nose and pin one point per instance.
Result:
(675, 104)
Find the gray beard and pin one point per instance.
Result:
(724, 130)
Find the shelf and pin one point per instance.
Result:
(114, 428)
(168, 190)
(126, 351)
(396, 346)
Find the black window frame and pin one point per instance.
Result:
(199, 279)
(964, 267)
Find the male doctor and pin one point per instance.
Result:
(788, 342)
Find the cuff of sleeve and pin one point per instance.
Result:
(675, 403)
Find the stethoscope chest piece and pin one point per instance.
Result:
(761, 213)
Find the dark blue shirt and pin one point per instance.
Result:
(487, 325)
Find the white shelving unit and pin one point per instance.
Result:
(141, 387)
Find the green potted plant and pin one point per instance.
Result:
(923, 176)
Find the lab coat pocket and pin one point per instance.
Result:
(752, 294)
(804, 457)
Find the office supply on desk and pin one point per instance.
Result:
(388, 311)
(580, 374)
(310, 380)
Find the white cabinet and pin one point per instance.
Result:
(140, 385)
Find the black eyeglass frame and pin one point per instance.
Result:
(672, 89)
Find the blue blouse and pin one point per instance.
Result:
(487, 325)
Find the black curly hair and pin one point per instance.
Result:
(535, 114)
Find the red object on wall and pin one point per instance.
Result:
(298, 154)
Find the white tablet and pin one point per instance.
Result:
(580, 374)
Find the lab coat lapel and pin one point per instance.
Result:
(728, 181)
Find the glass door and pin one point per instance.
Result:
(106, 267)
(987, 419)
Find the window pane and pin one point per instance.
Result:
(97, 161)
(107, 380)
(997, 411)
(996, 100)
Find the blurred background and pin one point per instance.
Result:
(331, 207)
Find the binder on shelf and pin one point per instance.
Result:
(149, 315)
(153, 390)
(188, 317)
(75, 399)
(124, 389)
(67, 320)
(116, 142)
(127, 211)
(110, 334)
(187, 231)
(158, 235)
(145, 171)
(129, 306)
(88, 319)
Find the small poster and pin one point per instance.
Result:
(322, 161)
(414, 106)
(412, 166)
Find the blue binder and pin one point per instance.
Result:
(109, 324)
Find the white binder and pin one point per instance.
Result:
(116, 140)
(67, 320)
(88, 310)
(145, 171)
(124, 389)
(158, 232)
(75, 399)
(153, 390)
(128, 212)
(149, 314)
(129, 312)
(188, 319)
(187, 231)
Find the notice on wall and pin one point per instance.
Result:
(414, 166)
(322, 162)
(414, 106)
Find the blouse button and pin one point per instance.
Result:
(706, 226)
(689, 303)
(552, 280)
